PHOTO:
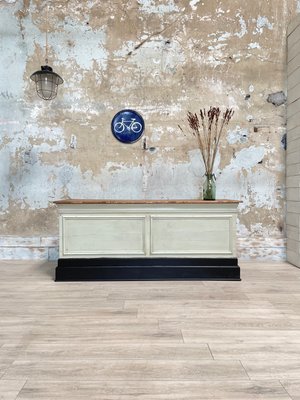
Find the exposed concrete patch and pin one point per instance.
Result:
(261, 23)
(262, 194)
(14, 62)
(243, 25)
(155, 7)
(73, 142)
(30, 157)
(4, 179)
(194, 4)
(254, 45)
(88, 46)
(239, 135)
(248, 158)
(277, 99)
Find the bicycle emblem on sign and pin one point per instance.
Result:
(130, 125)
(127, 126)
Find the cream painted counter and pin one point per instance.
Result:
(129, 230)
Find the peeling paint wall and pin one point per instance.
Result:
(161, 58)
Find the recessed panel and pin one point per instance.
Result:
(203, 235)
(96, 235)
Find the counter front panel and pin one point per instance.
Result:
(173, 231)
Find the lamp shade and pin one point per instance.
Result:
(46, 82)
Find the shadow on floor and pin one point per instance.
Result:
(47, 268)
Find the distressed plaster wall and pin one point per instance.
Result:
(161, 58)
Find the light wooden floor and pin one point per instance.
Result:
(149, 340)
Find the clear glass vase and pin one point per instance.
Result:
(209, 187)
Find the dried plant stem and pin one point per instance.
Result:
(201, 146)
(218, 136)
(209, 132)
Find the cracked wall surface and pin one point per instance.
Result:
(160, 58)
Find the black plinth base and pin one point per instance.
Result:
(134, 269)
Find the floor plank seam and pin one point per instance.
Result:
(23, 386)
(9, 364)
(210, 351)
(182, 338)
(245, 370)
(285, 389)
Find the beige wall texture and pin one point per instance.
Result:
(160, 58)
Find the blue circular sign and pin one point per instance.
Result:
(127, 126)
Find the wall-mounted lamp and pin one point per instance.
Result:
(45, 79)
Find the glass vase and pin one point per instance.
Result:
(209, 187)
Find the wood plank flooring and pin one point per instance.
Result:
(149, 340)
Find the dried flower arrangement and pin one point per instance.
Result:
(208, 131)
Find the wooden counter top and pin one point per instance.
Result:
(107, 201)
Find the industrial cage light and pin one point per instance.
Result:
(46, 82)
(45, 79)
